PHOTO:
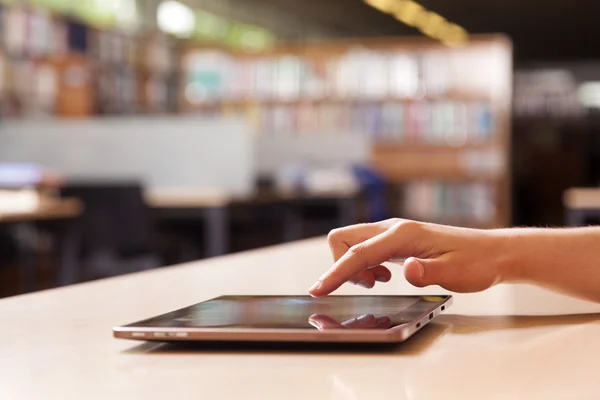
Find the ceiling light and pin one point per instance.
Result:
(386, 6)
(415, 15)
(176, 18)
(589, 94)
(409, 12)
(432, 25)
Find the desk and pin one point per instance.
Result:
(208, 205)
(509, 342)
(48, 210)
(293, 205)
(581, 204)
(64, 211)
(211, 206)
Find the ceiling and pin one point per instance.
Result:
(549, 30)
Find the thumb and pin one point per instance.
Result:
(423, 272)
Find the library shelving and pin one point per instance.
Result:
(59, 64)
(438, 116)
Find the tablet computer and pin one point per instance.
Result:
(360, 319)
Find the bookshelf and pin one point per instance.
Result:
(58, 64)
(438, 117)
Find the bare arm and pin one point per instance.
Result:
(466, 260)
(564, 260)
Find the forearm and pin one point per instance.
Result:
(565, 260)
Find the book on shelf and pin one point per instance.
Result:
(264, 79)
(287, 78)
(391, 95)
(77, 37)
(45, 88)
(159, 57)
(60, 42)
(373, 76)
(435, 73)
(466, 203)
(357, 74)
(404, 75)
(421, 122)
(39, 33)
(14, 30)
(314, 84)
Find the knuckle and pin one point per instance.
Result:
(391, 222)
(357, 251)
(334, 235)
(406, 227)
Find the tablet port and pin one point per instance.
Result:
(418, 325)
(430, 316)
(443, 308)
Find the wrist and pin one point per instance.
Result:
(513, 249)
(529, 253)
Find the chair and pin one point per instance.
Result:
(8, 258)
(117, 228)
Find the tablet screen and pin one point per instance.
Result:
(299, 312)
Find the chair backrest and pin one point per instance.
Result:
(116, 217)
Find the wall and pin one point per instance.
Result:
(315, 150)
(163, 151)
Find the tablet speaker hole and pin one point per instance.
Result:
(443, 308)
(418, 325)
(430, 316)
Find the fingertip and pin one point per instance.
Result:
(414, 272)
(314, 324)
(324, 286)
(367, 281)
(383, 274)
(366, 318)
(315, 290)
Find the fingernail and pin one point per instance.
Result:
(316, 286)
(421, 269)
(365, 317)
(315, 324)
(364, 285)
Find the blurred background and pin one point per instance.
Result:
(138, 134)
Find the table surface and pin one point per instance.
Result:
(206, 198)
(186, 198)
(582, 198)
(50, 209)
(511, 342)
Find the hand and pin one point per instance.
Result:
(458, 259)
(369, 321)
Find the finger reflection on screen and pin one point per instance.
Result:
(367, 321)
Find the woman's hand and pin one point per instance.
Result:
(458, 259)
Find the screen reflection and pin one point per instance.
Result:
(367, 321)
(298, 312)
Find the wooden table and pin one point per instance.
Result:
(48, 210)
(581, 204)
(208, 205)
(511, 342)
(64, 211)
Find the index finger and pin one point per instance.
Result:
(365, 255)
